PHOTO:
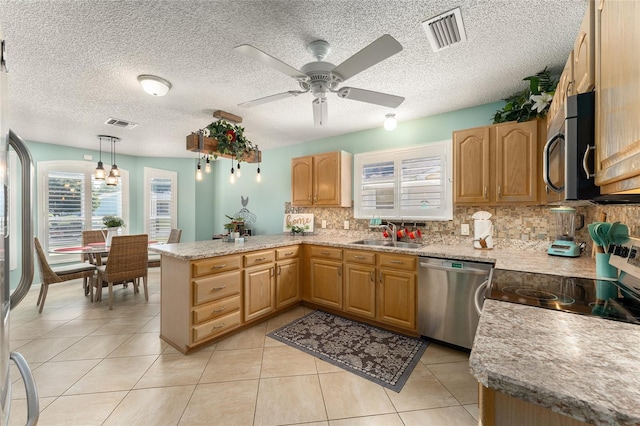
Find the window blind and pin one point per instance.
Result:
(161, 197)
(66, 208)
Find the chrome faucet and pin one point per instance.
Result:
(391, 229)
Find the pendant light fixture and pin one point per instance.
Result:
(238, 170)
(100, 173)
(114, 166)
(258, 175)
(207, 165)
(112, 178)
(232, 177)
(199, 171)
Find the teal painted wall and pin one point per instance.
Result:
(266, 200)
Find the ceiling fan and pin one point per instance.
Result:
(321, 77)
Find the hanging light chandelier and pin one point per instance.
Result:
(112, 179)
(100, 173)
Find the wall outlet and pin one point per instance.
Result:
(346, 224)
(464, 229)
(324, 224)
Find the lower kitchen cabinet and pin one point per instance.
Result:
(326, 283)
(397, 290)
(360, 290)
(287, 283)
(259, 291)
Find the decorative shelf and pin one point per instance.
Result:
(210, 146)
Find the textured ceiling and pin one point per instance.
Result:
(74, 64)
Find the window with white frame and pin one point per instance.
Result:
(411, 183)
(160, 203)
(72, 200)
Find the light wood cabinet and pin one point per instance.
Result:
(617, 96)
(326, 276)
(565, 87)
(584, 53)
(287, 277)
(259, 291)
(322, 180)
(360, 283)
(396, 298)
(497, 164)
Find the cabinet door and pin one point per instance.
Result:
(302, 181)
(471, 165)
(517, 162)
(618, 103)
(583, 53)
(397, 298)
(259, 291)
(326, 179)
(287, 288)
(565, 88)
(326, 283)
(360, 290)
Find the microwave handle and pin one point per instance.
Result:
(585, 161)
(545, 162)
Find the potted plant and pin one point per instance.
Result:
(112, 224)
(236, 224)
(531, 102)
(231, 139)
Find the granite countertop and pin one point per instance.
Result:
(503, 258)
(579, 366)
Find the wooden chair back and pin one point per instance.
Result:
(128, 257)
(88, 237)
(46, 273)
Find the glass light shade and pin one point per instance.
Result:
(115, 170)
(390, 122)
(111, 180)
(199, 175)
(238, 171)
(100, 173)
(153, 85)
(232, 178)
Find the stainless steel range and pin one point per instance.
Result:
(615, 299)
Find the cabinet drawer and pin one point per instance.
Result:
(357, 256)
(215, 265)
(398, 261)
(216, 287)
(287, 252)
(326, 253)
(259, 258)
(216, 326)
(216, 309)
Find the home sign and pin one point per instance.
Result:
(304, 221)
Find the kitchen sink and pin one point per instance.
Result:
(386, 243)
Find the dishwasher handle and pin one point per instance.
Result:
(476, 271)
(478, 298)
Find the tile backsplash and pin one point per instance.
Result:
(523, 227)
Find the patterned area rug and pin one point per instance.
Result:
(379, 355)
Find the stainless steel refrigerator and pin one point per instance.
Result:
(10, 299)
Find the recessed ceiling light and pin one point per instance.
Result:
(153, 85)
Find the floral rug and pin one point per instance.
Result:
(379, 355)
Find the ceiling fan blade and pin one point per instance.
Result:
(271, 98)
(384, 99)
(270, 61)
(381, 49)
(320, 113)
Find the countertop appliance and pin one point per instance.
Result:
(568, 163)
(564, 222)
(448, 293)
(9, 299)
(614, 299)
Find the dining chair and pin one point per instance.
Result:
(49, 275)
(128, 257)
(89, 237)
(174, 237)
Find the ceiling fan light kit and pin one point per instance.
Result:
(390, 122)
(320, 78)
(154, 85)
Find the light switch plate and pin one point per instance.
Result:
(346, 224)
(87, 157)
(324, 224)
(464, 229)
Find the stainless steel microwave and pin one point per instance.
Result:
(568, 155)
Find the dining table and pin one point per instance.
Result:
(95, 250)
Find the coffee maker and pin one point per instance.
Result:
(564, 227)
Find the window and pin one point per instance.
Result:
(160, 203)
(411, 183)
(71, 201)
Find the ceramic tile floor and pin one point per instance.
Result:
(94, 366)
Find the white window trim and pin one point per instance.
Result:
(43, 195)
(151, 173)
(397, 155)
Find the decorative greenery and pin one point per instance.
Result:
(531, 102)
(230, 139)
(113, 222)
(235, 224)
(295, 229)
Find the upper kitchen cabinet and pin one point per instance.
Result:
(564, 88)
(584, 53)
(322, 180)
(497, 164)
(617, 96)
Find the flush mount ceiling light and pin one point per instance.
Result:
(153, 85)
(390, 122)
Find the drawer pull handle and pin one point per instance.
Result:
(358, 257)
(219, 326)
(259, 259)
(289, 253)
(326, 253)
(215, 311)
(397, 262)
(218, 288)
(220, 266)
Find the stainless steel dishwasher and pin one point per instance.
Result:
(450, 296)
